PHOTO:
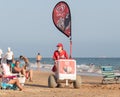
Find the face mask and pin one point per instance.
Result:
(59, 49)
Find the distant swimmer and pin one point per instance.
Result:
(38, 59)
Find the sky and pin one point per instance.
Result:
(26, 26)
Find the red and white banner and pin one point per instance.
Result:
(62, 18)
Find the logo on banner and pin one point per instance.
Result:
(62, 18)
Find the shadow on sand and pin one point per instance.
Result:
(34, 85)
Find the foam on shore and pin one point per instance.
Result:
(81, 69)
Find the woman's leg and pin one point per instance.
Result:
(38, 65)
(23, 72)
(16, 82)
(30, 74)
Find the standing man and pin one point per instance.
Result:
(38, 59)
(9, 56)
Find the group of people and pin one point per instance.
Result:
(6, 72)
(8, 55)
(60, 53)
(11, 66)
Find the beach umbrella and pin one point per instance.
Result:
(62, 20)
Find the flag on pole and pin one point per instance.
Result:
(62, 18)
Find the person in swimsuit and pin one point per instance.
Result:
(38, 58)
(27, 67)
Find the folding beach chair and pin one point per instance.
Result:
(5, 85)
(108, 74)
(8, 86)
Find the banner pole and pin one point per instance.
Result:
(70, 47)
(70, 37)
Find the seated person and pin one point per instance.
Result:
(18, 69)
(8, 78)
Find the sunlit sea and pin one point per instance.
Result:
(85, 66)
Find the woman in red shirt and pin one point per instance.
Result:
(60, 53)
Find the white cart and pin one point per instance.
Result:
(66, 73)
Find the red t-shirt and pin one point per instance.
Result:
(61, 55)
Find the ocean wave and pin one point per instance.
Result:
(80, 68)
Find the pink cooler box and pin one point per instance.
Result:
(66, 69)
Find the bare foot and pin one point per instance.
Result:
(30, 80)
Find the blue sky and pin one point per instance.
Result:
(27, 27)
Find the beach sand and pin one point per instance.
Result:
(91, 87)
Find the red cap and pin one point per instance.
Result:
(60, 45)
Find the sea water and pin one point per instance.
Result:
(85, 66)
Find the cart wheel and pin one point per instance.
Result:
(51, 81)
(77, 82)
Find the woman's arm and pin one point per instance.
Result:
(17, 69)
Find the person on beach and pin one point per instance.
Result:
(20, 69)
(7, 76)
(25, 59)
(38, 59)
(9, 56)
(60, 53)
(1, 52)
(27, 66)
